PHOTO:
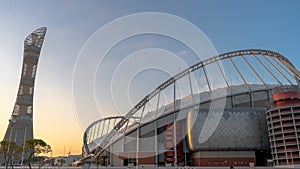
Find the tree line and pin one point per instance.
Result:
(11, 153)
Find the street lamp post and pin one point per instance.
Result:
(6, 158)
(24, 145)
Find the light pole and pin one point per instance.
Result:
(13, 156)
(24, 145)
(6, 158)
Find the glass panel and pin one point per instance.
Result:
(286, 68)
(138, 114)
(94, 132)
(161, 105)
(215, 76)
(147, 135)
(99, 131)
(102, 128)
(246, 71)
(91, 134)
(88, 136)
(274, 71)
(261, 70)
(88, 139)
(203, 85)
(150, 109)
(109, 126)
(199, 84)
(194, 84)
(166, 99)
(282, 70)
(130, 142)
(232, 76)
(183, 91)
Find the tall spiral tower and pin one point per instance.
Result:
(20, 127)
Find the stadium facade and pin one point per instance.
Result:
(20, 127)
(258, 121)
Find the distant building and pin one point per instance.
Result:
(72, 158)
(48, 162)
(66, 160)
(60, 161)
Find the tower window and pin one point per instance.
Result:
(16, 110)
(31, 90)
(24, 69)
(29, 109)
(33, 71)
(21, 90)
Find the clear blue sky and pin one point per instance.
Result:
(230, 25)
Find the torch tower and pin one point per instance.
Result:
(20, 127)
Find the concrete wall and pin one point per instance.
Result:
(223, 158)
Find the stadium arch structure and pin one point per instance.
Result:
(165, 132)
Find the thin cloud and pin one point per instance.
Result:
(183, 53)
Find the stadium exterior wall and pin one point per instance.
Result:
(241, 137)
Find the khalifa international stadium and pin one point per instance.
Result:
(258, 123)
